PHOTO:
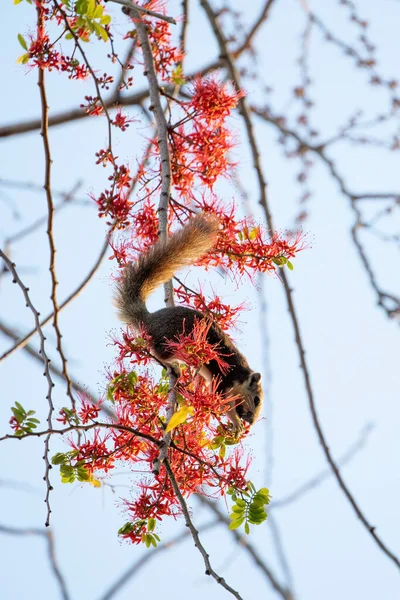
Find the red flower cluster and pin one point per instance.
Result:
(212, 101)
(165, 54)
(200, 142)
(193, 349)
(115, 202)
(224, 314)
(245, 248)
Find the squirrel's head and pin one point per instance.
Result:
(248, 398)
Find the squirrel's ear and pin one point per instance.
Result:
(255, 377)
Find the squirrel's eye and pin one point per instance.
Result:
(240, 411)
(256, 400)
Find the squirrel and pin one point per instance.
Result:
(154, 268)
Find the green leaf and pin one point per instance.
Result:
(264, 493)
(238, 509)
(289, 265)
(100, 31)
(177, 76)
(83, 474)
(98, 12)
(69, 36)
(236, 524)
(25, 47)
(241, 502)
(58, 459)
(91, 8)
(251, 486)
(151, 524)
(105, 20)
(81, 7)
(66, 470)
(32, 419)
(247, 528)
(126, 529)
(257, 517)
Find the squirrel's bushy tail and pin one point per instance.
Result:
(159, 264)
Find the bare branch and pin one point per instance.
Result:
(263, 16)
(93, 425)
(47, 534)
(162, 134)
(280, 550)
(56, 371)
(288, 291)
(46, 360)
(318, 479)
(195, 534)
(244, 543)
(145, 11)
(146, 558)
(69, 298)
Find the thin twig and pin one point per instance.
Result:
(22, 233)
(48, 536)
(195, 534)
(53, 296)
(94, 77)
(139, 564)
(243, 542)
(318, 479)
(57, 372)
(280, 550)
(263, 16)
(93, 425)
(21, 343)
(162, 135)
(46, 360)
(288, 291)
(131, 100)
(131, 6)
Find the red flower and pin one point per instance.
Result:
(212, 100)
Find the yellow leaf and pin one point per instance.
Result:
(179, 417)
(23, 59)
(95, 482)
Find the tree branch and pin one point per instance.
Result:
(195, 534)
(137, 566)
(244, 543)
(288, 291)
(48, 536)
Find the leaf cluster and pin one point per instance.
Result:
(90, 19)
(142, 528)
(26, 423)
(125, 381)
(73, 472)
(248, 507)
(220, 442)
(281, 261)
